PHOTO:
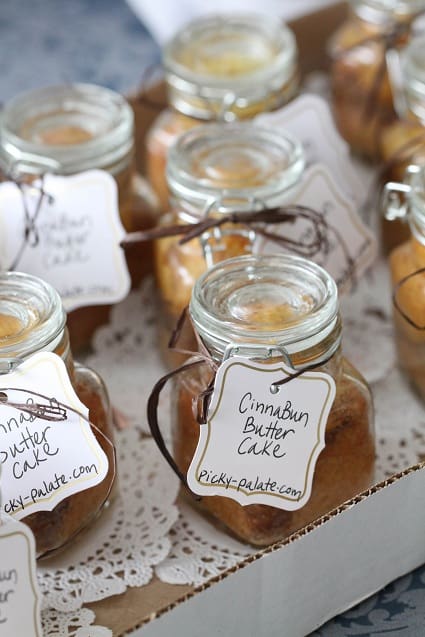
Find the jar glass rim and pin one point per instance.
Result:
(378, 10)
(213, 163)
(414, 69)
(249, 24)
(222, 296)
(104, 114)
(38, 309)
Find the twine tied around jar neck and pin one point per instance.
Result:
(39, 406)
(255, 222)
(278, 215)
(31, 236)
(201, 403)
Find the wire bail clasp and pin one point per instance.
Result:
(210, 248)
(395, 200)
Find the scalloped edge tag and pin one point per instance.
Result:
(73, 242)
(44, 461)
(260, 446)
(20, 599)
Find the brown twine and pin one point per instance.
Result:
(202, 401)
(55, 411)
(31, 236)
(278, 215)
(396, 304)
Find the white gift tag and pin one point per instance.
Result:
(310, 120)
(73, 243)
(45, 461)
(349, 238)
(19, 594)
(260, 446)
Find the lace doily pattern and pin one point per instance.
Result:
(127, 541)
(78, 624)
(126, 356)
(199, 550)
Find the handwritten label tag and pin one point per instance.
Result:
(72, 242)
(349, 238)
(45, 461)
(310, 120)
(19, 595)
(261, 447)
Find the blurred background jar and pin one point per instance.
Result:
(65, 130)
(226, 68)
(403, 142)
(275, 303)
(360, 85)
(32, 320)
(407, 262)
(212, 171)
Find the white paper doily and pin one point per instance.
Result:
(124, 545)
(126, 356)
(78, 624)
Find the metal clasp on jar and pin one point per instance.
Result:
(31, 165)
(210, 249)
(395, 203)
(8, 365)
(257, 351)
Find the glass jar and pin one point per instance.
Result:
(285, 307)
(69, 129)
(227, 67)
(403, 143)
(361, 89)
(32, 320)
(214, 170)
(407, 263)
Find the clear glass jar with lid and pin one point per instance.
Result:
(69, 129)
(406, 201)
(214, 170)
(362, 96)
(274, 309)
(221, 68)
(32, 320)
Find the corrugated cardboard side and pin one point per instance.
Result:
(290, 588)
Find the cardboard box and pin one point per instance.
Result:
(293, 587)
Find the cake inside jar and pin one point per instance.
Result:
(10, 326)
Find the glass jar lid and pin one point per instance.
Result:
(416, 196)
(414, 76)
(232, 167)
(219, 66)
(386, 10)
(66, 129)
(32, 318)
(273, 301)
